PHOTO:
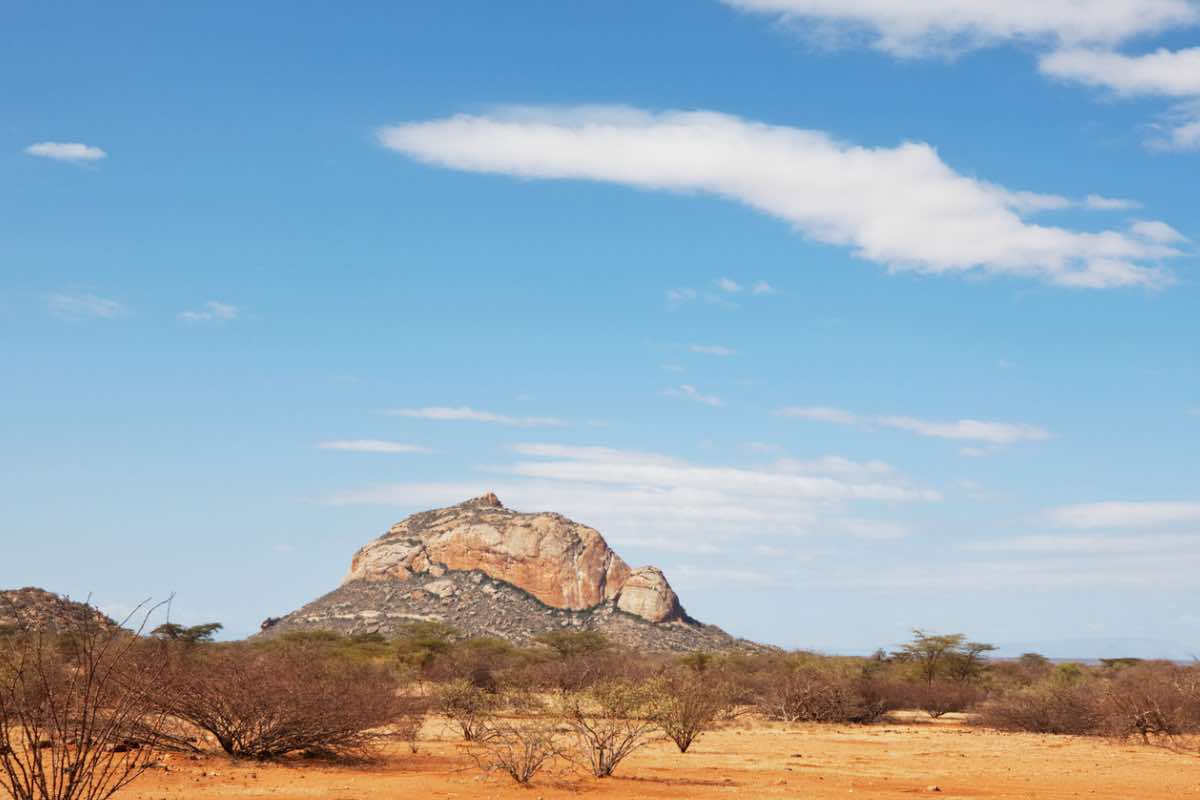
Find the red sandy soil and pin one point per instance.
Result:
(746, 759)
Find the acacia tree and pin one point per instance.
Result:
(931, 653)
(196, 634)
(70, 702)
(687, 703)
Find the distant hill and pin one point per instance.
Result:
(486, 570)
(36, 609)
(1096, 648)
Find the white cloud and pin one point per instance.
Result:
(212, 311)
(970, 429)
(872, 529)
(73, 152)
(706, 576)
(1085, 544)
(997, 433)
(835, 465)
(83, 305)
(1194, 411)
(727, 285)
(372, 446)
(712, 349)
(902, 207)
(468, 414)
(688, 506)
(1100, 203)
(1163, 72)
(1180, 129)
(762, 287)
(681, 295)
(911, 28)
(1155, 231)
(1079, 34)
(602, 465)
(692, 393)
(1118, 514)
(1118, 570)
(819, 414)
(673, 368)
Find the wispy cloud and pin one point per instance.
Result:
(835, 465)
(73, 152)
(1079, 38)
(902, 207)
(692, 393)
(372, 446)
(210, 312)
(1156, 231)
(683, 574)
(997, 433)
(819, 414)
(971, 429)
(922, 28)
(1041, 571)
(719, 292)
(1087, 544)
(1100, 203)
(688, 505)
(1163, 73)
(1122, 514)
(712, 349)
(83, 305)
(468, 414)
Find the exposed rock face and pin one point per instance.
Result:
(560, 562)
(34, 609)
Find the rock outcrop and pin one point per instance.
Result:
(486, 570)
(647, 594)
(33, 609)
(562, 563)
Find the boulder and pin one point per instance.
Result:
(647, 594)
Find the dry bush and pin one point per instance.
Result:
(937, 698)
(468, 706)
(518, 748)
(68, 702)
(812, 691)
(1157, 702)
(264, 703)
(573, 661)
(689, 702)
(1050, 707)
(608, 722)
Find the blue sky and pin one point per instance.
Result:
(852, 317)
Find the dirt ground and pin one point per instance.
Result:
(749, 759)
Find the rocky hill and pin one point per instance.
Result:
(38, 610)
(489, 571)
